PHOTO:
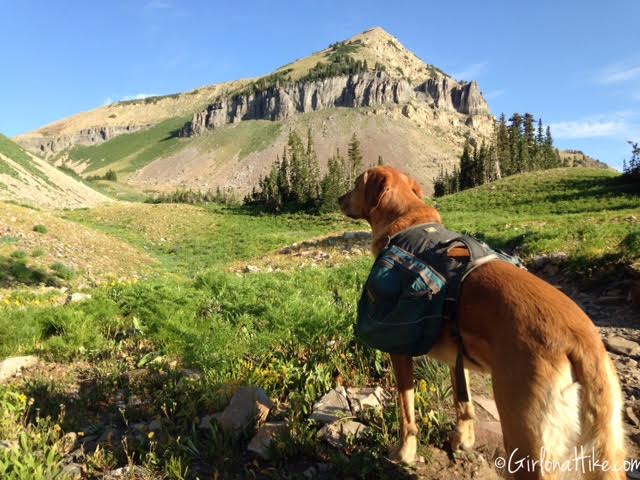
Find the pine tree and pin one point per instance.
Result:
(467, 168)
(354, 155)
(503, 148)
(515, 145)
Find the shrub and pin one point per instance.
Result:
(62, 271)
(38, 252)
(40, 228)
(19, 254)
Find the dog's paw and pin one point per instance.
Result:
(463, 436)
(406, 451)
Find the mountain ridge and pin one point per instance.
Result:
(410, 112)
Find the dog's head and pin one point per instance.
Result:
(383, 190)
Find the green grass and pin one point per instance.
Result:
(242, 139)
(586, 213)
(129, 152)
(118, 191)
(287, 332)
(220, 236)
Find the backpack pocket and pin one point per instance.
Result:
(400, 310)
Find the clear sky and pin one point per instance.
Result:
(575, 63)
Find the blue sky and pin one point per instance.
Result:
(575, 63)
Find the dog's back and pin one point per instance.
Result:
(555, 387)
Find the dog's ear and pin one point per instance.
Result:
(376, 184)
(417, 189)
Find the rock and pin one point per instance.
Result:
(246, 405)
(110, 436)
(622, 346)
(251, 269)
(310, 472)
(489, 434)
(361, 398)
(155, 425)
(260, 444)
(125, 472)
(72, 471)
(610, 300)
(68, 443)
(13, 365)
(551, 269)
(339, 432)
(78, 297)
(349, 235)
(365, 89)
(633, 418)
(488, 405)
(331, 406)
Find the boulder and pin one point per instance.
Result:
(72, 471)
(13, 365)
(247, 405)
(367, 397)
(331, 406)
(339, 432)
(260, 444)
(78, 297)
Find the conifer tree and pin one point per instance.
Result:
(354, 155)
(467, 168)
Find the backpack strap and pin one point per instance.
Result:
(478, 255)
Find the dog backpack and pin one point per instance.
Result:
(413, 287)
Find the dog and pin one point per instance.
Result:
(555, 387)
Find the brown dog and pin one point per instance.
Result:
(555, 387)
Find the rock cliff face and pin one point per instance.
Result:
(50, 145)
(359, 90)
(451, 96)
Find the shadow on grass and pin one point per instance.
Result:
(16, 272)
(589, 190)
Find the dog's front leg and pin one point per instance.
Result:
(463, 436)
(406, 450)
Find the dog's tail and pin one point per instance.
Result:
(600, 398)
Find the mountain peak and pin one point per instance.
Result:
(377, 47)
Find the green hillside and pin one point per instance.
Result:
(126, 153)
(130, 152)
(586, 213)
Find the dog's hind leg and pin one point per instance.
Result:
(406, 451)
(463, 435)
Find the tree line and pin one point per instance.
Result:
(517, 146)
(294, 182)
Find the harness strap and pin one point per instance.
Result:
(477, 257)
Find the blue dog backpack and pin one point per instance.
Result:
(413, 288)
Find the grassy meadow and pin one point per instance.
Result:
(180, 338)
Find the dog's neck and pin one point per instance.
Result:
(385, 224)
